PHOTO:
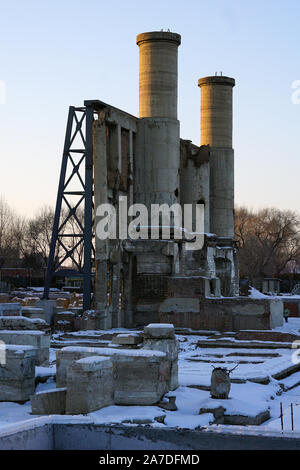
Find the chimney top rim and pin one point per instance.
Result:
(158, 36)
(216, 80)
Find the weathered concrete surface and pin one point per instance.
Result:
(88, 320)
(48, 305)
(158, 75)
(33, 312)
(10, 309)
(221, 200)
(46, 434)
(226, 314)
(216, 131)
(141, 380)
(49, 402)
(161, 337)
(38, 339)
(130, 339)
(273, 336)
(90, 385)
(157, 162)
(17, 373)
(141, 377)
(276, 313)
(216, 111)
(23, 323)
(64, 321)
(221, 417)
(194, 177)
(171, 348)
(159, 331)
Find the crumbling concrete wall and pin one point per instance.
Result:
(231, 314)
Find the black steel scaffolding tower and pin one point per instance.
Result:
(77, 164)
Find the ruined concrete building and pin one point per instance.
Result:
(140, 280)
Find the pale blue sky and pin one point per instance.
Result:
(57, 53)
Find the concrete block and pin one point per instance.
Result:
(10, 309)
(128, 339)
(171, 348)
(65, 357)
(23, 323)
(89, 385)
(88, 320)
(49, 402)
(159, 330)
(33, 312)
(17, 373)
(64, 320)
(38, 339)
(276, 313)
(48, 306)
(141, 377)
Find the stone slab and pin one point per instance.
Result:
(128, 339)
(23, 323)
(159, 330)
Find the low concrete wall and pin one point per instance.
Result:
(25, 436)
(222, 314)
(42, 435)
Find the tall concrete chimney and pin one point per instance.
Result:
(216, 131)
(158, 74)
(158, 141)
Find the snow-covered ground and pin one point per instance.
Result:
(195, 366)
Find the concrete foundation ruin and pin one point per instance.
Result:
(144, 161)
(89, 379)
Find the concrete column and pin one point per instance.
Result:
(158, 143)
(216, 111)
(216, 131)
(158, 74)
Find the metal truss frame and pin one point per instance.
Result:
(80, 127)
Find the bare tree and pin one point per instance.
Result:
(38, 235)
(269, 240)
(12, 228)
(74, 227)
